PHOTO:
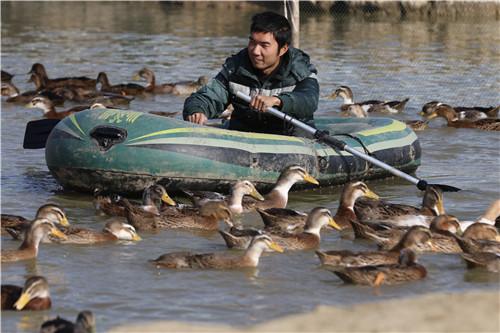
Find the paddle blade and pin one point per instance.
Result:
(447, 188)
(37, 132)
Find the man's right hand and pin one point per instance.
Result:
(197, 118)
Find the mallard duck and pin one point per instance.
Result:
(151, 86)
(386, 236)
(207, 217)
(152, 198)
(368, 106)
(480, 238)
(282, 220)
(406, 270)
(19, 224)
(29, 248)
(236, 238)
(481, 231)
(447, 112)
(490, 216)
(417, 125)
(85, 323)
(49, 110)
(218, 260)
(464, 113)
(9, 89)
(113, 231)
(278, 196)
(184, 88)
(80, 81)
(351, 192)
(372, 210)
(129, 89)
(443, 227)
(308, 239)
(234, 200)
(487, 260)
(414, 239)
(33, 296)
(354, 110)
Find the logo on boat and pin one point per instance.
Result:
(117, 116)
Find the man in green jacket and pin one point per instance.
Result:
(270, 71)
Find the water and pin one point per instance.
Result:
(452, 61)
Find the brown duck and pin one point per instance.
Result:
(447, 112)
(9, 89)
(112, 231)
(18, 225)
(151, 86)
(221, 260)
(80, 81)
(49, 109)
(372, 210)
(38, 229)
(405, 270)
(463, 112)
(415, 238)
(32, 297)
(128, 89)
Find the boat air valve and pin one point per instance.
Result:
(108, 136)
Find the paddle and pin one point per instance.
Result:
(37, 132)
(323, 136)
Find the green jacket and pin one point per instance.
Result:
(294, 82)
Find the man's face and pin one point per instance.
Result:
(263, 51)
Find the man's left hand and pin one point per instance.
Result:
(261, 103)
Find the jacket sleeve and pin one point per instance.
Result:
(303, 100)
(211, 99)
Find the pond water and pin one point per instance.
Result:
(452, 61)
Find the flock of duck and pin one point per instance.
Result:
(99, 93)
(399, 231)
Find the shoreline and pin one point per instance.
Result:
(477, 311)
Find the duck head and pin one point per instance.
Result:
(433, 200)
(317, 219)
(34, 287)
(354, 190)
(121, 231)
(246, 187)
(41, 102)
(53, 213)
(345, 92)
(446, 223)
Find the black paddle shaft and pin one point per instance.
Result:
(324, 136)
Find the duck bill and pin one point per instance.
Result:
(334, 95)
(276, 247)
(431, 116)
(372, 195)
(440, 207)
(310, 179)
(136, 77)
(64, 222)
(334, 224)
(57, 233)
(136, 238)
(256, 195)
(22, 301)
(168, 200)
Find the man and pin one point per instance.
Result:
(269, 70)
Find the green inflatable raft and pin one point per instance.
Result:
(126, 151)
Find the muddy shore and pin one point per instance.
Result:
(477, 311)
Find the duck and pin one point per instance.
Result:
(443, 227)
(19, 224)
(308, 239)
(415, 238)
(80, 81)
(221, 260)
(184, 88)
(234, 200)
(34, 296)
(486, 260)
(282, 220)
(112, 231)
(464, 113)
(406, 270)
(376, 210)
(354, 110)
(481, 231)
(351, 192)
(479, 240)
(38, 229)
(368, 106)
(127, 89)
(447, 112)
(49, 110)
(278, 196)
(85, 323)
(490, 216)
(207, 217)
(14, 96)
(417, 125)
(151, 86)
(386, 236)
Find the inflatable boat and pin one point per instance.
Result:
(125, 151)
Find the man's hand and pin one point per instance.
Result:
(261, 103)
(197, 118)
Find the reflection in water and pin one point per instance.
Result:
(452, 61)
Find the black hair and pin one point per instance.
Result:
(274, 23)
